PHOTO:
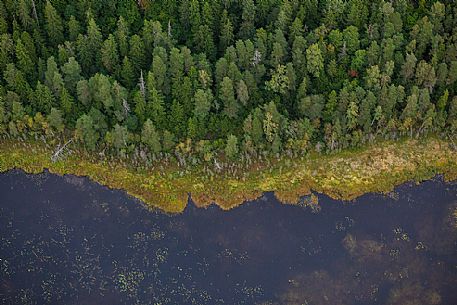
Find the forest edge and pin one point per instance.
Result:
(344, 175)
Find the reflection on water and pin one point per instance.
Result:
(70, 241)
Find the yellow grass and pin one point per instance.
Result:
(344, 175)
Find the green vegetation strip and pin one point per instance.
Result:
(345, 175)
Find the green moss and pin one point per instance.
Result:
(345, 175)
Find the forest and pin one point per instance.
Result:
(232, 79)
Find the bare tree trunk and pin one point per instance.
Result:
(454, 146)
(34, 11)
(169, 28)
(59, 151)
(181, 160)
(217, 165)
(141, 84)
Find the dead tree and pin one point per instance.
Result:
(181, 160)
(169, 28)
(125, 107)
(217, 166)
(60, 150)
(34, 11)
(453, 145)
(141, 84)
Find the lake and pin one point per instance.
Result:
(67, 240)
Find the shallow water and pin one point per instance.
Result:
(66, 240)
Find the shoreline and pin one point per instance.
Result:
(345, 175)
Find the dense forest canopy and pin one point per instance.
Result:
(238, 78)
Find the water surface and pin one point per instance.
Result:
(67, 240)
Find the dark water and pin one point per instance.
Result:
(66, 240)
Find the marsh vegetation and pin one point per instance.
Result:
(345, 175)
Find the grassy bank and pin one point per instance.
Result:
(345, 175)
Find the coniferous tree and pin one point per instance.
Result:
(55, 120)
(150, 137)
(226, 33)
(128, 73)
(137, 54)
(72, 74)
(43, 99)
(24, 61)
(231, 149)
(247, 29)
(339, 72)
(120, 137)
(155, 104)
(85, 132)
(53, 25)
(122, 36)
(74, 28)
(314, 60)
(110, 55)
(227, 97)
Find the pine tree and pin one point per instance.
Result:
(155, 104)
(257, 128)
(16, 82)
(425, 75)
(202, 101)
(83, 92)
(122, 36)
(314, 60)
(227, 97)
(357, 13)
(74, 28)
(72, 74)
(55, 120)
(352, 115)
(351, 38)
(226, 33)
(204, 42)
(153, 36)
(137, 54)
(85, 131)
(89, 47)
(140, 106)
(296, 29)
(110, 55)
(67, 105)
(53, 25)
(242, 93)
(24, 61)
(329, 114)
(159, 70)
(120, 137)
(51, 69)
(231, 149)
(101, 90)
(247, 29)
(43, 98)
(367, 112)
(333, 13)
(409, 115)
(168, 141)
(284, 16)
(6, 50)
(23, 10)
(176, 119)
(150, 137)
(128, 73)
